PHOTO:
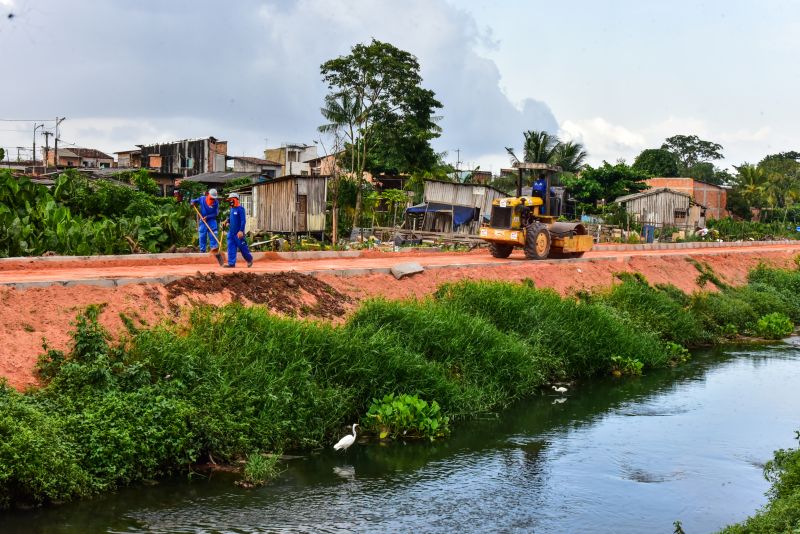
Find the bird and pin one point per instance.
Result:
(346, 441)
(559, 389)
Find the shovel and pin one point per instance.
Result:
(210, 231)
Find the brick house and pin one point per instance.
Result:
(80, 157)
(713, 197)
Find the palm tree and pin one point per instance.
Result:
(570, 156)
(752, 184)
(539, 147)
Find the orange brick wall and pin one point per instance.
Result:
(714, 198)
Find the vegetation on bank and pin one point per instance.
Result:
(83, 217)
(234, 382)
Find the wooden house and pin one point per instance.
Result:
(286, 205)
(452, 207)
(665, 207)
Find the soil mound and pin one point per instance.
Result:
(287, 292)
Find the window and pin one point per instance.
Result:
(680, 215)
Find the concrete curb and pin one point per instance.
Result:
(133, 258)
(689, 245)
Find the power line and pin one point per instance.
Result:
(27, 120)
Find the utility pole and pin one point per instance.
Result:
(18, 149)
(46, 135)
(35, 127)
(55, 149)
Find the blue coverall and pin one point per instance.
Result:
(210, 213)
(236, 224)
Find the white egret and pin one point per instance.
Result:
(560, 389)
(346, 441)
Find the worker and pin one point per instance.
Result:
(208, 206)
(236, 239)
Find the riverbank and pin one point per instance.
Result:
(236, 380)
(47, 312)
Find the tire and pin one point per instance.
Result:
(499, 250)
(537, 242)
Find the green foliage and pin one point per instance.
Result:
(626, 366)
(406, 416)
(543, 147)
(774, 326)
(690, 150)
(657, 310)
(563, 327)
(782, 513)
(657, 162)
(606, 182)
(82, 217)
(260, 469)
(730, 229)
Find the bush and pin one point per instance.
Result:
(259, 469)
(774, 326)
(407, 416)
(581, 337)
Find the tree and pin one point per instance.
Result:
(539, 147)
(2, 154)
(657, 162)
(379, 89)
(691, 150)
(605, 183)
(570, 156)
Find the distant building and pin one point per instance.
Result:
(713, 197)
(452, 207)
(80, 157)
(294, 158)
(130, 159)
(169, 162)
(262, 167)
(665, 207)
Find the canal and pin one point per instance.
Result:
(613, 455)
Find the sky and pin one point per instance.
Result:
(618, 76)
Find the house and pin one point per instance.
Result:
(665, 207)
(261, 167)
(294, 158)
(80, 157)
(714, 197)
(452, 207)
(169, 162)
(323, 165)
(288, 205)
(129, 159)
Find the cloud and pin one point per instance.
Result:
(127, 73)
(604, 140)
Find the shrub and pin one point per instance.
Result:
(581, 336)
(626, 366)
(407, 416)
(260, 469)
(774, 326)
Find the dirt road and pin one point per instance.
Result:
(121, 271)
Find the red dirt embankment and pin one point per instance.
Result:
(31, 315)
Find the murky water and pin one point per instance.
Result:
(628, 455)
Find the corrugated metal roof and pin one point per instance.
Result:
(649, 192)
(217, 177)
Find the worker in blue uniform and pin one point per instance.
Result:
(236, 239)
(208, 205)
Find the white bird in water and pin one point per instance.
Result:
(346, 441)
(559, 389)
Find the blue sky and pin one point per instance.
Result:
(617, 75)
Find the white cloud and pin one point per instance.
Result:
(246, 72)
(604, 140)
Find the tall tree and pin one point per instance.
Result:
(605, 183)
(384, 85)
(690, 150)
(657, 162)
(539, 147)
